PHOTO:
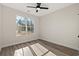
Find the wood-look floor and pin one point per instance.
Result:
(64, 49)
(32, 48)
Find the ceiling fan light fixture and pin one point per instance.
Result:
(38, 8)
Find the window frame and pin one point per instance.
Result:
(30, 31)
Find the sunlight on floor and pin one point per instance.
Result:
(50, 54)
(37, 48)
(40, 50)
(18, 52)
(27, 51)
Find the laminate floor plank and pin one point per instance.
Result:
(36, 50)
(29, 45)
(18, 51)
(50, 54)
(11, 50)
(27, 51)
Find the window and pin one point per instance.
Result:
(24, 25)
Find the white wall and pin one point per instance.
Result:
(0, 26)
(9, 27)
(61, 27)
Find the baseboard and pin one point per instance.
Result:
(16, 43)
(64, 49)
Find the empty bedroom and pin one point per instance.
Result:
(39, 29)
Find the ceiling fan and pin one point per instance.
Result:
(38, 7)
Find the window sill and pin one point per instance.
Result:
(24, 34)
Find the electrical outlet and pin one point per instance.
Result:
(78, 36)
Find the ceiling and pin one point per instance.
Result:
(22, 7)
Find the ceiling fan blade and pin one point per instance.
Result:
(31, 7)
(43, 8)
